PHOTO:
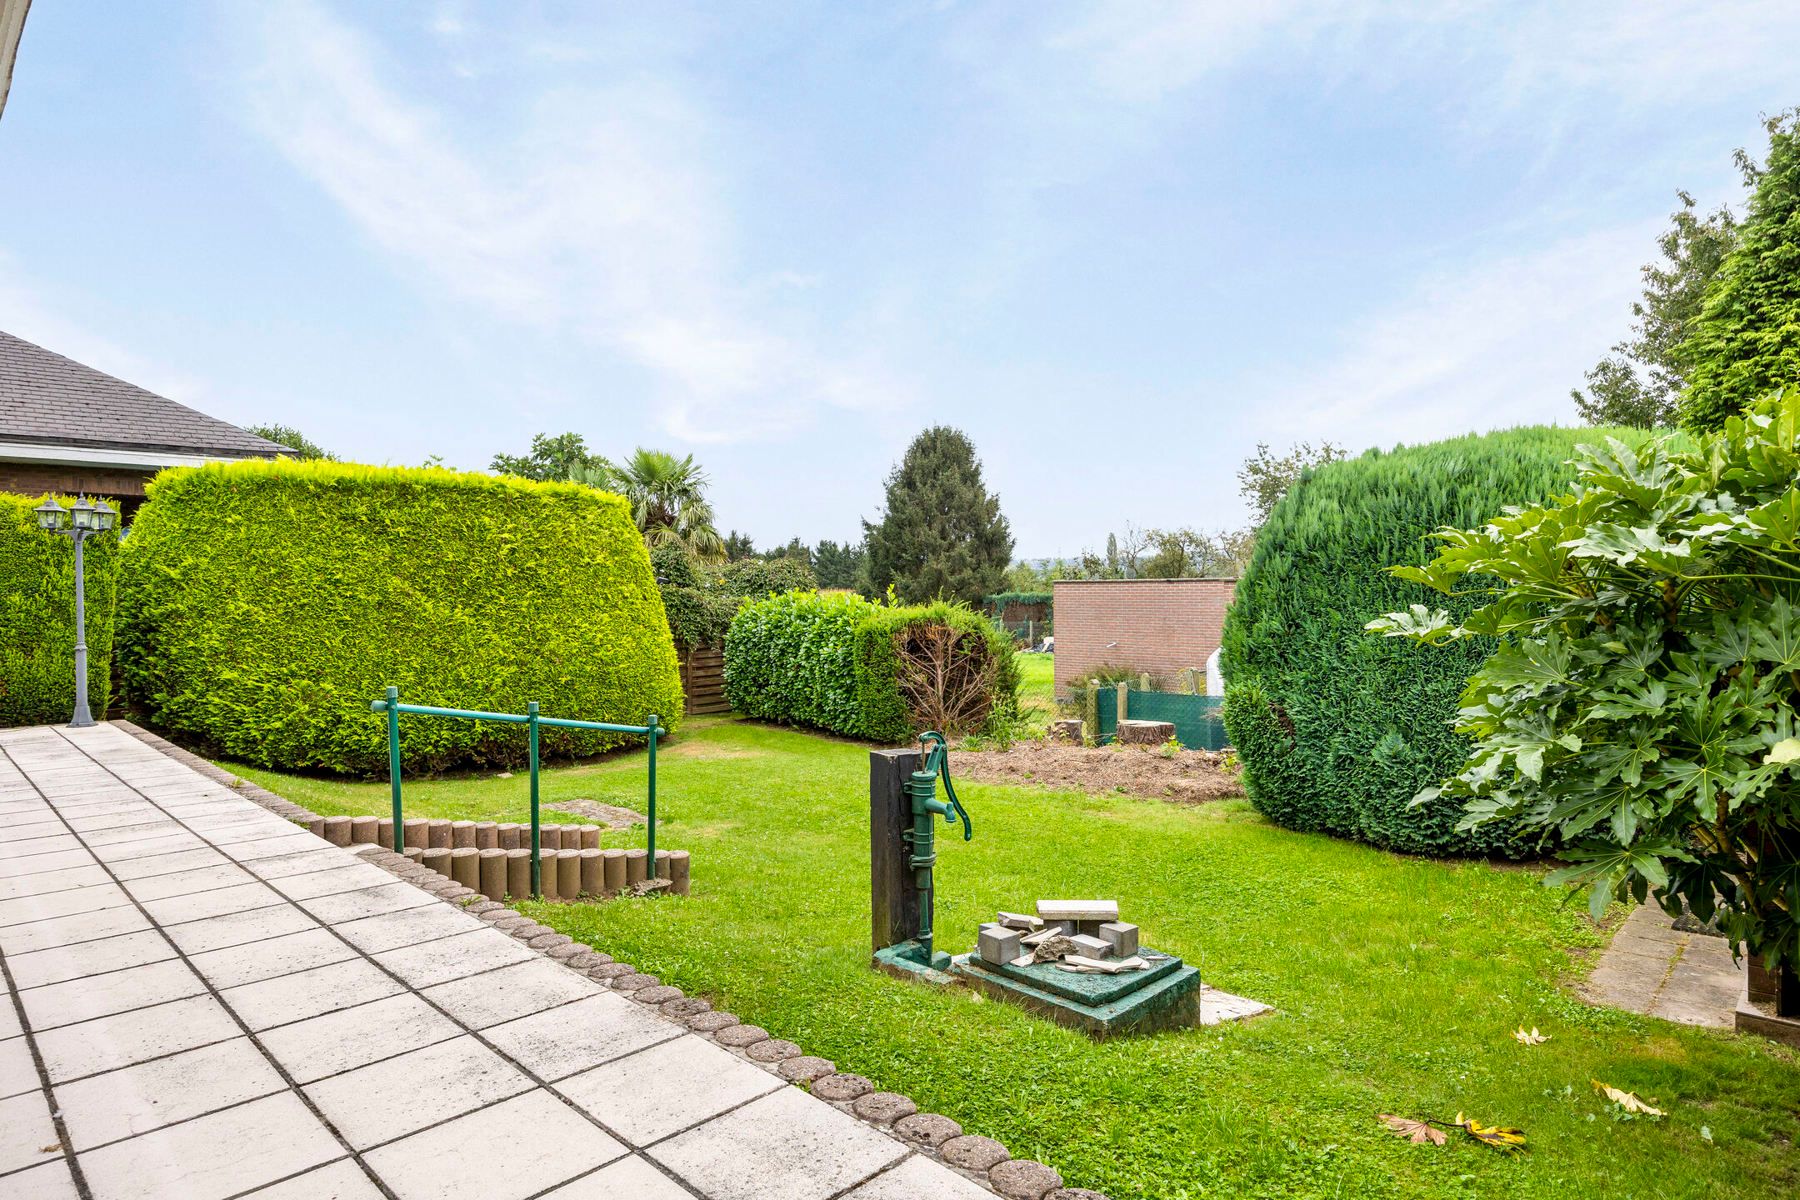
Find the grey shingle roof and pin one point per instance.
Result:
(45, 397)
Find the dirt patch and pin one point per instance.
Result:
(708, 750)
(611, 816)
(1186, 777)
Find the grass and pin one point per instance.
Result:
(1398, 982)
(1037, 699)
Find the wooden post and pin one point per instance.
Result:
(1123, 692)
(1090, 732)
(893, 896)
(1143, 682)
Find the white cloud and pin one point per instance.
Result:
(594, 215)
(1495, 343)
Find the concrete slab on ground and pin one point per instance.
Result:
(204, 1002)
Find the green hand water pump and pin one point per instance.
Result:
(921, 839)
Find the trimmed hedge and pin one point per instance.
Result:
(832, 661)
(1338, 730)
(267, 603)
(37, 616)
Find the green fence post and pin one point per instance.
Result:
(537, 886)
(393, 716)
(655, 730)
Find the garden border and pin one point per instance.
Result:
(981, 1160)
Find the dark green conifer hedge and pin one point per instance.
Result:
(37, 616)
(1339, 730)
(266, 603)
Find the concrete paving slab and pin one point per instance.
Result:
(88, 958)
(107, 1043)
(640, 1180)
(339, 1181)
(546, 1143)
(310, 993)
(561, 1041)
(215, 1156)
(137, 1099)
(398, 1096)
(511, 992)
(916, 1178)
(668, 1088)
(444, 959)
(18, 1070)
(785, 1146)
(75, 1000)
(255, 1012)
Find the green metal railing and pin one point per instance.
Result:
(651, 730)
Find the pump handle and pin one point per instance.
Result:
(938, 759)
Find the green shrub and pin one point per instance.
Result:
(700, 600)
(1641, 708)
(37, 616)
(1337, 730)
(842, 663)
(268, 602)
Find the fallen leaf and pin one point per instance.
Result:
(1416, 1132)
(1626, 1100)
(1534, 1038)
(1501, 1138)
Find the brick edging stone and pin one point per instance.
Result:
(979, 1159)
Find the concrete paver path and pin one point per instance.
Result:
(207, 1002)
(1653, 968)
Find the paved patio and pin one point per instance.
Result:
(207, 1002)
(1653, 968)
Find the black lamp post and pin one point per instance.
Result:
(78, 524)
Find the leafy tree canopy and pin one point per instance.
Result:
(550, 458)
(738, 545)
(1639, 382)
(1746, 340)
(942, 535)
(1266, 476)
(667, 497)
(303, 447)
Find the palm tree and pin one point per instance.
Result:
(667, 497)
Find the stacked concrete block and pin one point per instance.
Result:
(485, 836)
(593, 871)
(414, 853)
(337, 830)
(364, 830)
(590, 837)
(384, 833)
(679, 872)
(999, 945)
(416, 831)
(636, 865)
(462, 835)
(1122, 937)
(507, 833)
(568, 873)
(439, 835)
(437, 858)
(612, 867)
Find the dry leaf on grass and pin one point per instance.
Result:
(1508, 1141)
(1416, 1132)
(1627, 1100)
(1534, 1038)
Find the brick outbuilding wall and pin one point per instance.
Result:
(1162, 626)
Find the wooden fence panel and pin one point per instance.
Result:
(703, 679)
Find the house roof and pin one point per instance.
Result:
(46, 398)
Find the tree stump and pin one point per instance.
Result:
(1145, 733)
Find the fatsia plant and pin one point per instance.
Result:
(1640, 711)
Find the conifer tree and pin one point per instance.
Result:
(1746, 341)
(942, 534)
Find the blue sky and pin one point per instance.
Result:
(1117, 243)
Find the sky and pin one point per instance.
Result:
(1118, 244)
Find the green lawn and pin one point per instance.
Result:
(1397, 982)
(1037, 686)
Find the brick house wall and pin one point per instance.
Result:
(1162, 626)
(34, 479)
